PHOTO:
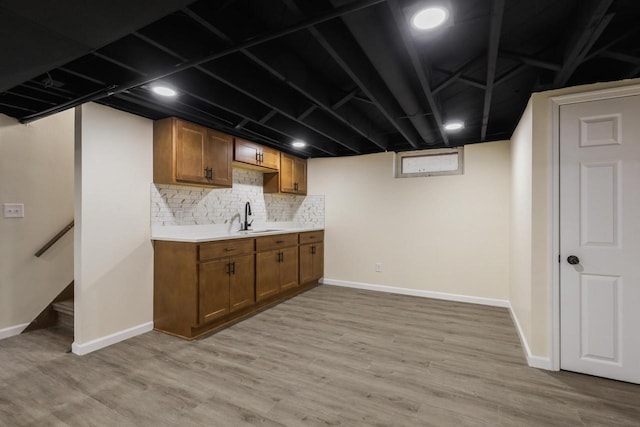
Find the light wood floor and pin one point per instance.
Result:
(332, 356)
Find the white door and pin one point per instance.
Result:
(600, 226)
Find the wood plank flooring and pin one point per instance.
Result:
(331, 356)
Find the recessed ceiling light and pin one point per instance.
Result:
(298, 143)
(430, 18)
(164, 91)
(453, 126)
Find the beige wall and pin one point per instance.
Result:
(36, 168)
(441, 234)
(541, 216)
(114, 255)
(521, 196)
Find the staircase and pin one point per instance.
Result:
(65, 313)
(58, 313)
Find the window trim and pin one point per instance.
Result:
(425, 153)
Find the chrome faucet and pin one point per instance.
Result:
(247, 213)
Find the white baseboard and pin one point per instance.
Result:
(418, 293)
(97, 344)
(12, 330)
(533, 361)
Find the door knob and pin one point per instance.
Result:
(573, 260)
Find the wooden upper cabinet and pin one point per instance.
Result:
(191, 152)
(257, 156)
(220, 158)
(292, 178)
(186, 153)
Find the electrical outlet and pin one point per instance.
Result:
(378, 267)
(13, 210)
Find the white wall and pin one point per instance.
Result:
(447, 234)
(114, 255)
(36, 168)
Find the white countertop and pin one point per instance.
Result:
(213, 232)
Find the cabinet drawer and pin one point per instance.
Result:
(311, 236)
(276, 241)
(226, 248)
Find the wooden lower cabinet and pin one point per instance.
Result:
(225, 285)
(199, 287)
(213, 287)
(242, 291)
(277, 269)
(311, 262)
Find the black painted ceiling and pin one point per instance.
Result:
(348, 76)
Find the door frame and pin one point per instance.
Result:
(554, 192)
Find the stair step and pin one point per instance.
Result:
(64, 307)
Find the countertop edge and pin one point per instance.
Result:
(239, 235)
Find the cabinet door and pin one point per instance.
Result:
(191, 149)
(293, 174)
(289, 268)
(318, 261)
(246, 152)
(270, 158)
(242, 284)
(306, 263)
(267, 274)
(311, 262)
(287, 179)
(300, 175)
(213, 290)
(219, 158)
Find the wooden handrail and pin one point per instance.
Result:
(55, 239)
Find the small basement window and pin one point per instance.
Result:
(445, 161)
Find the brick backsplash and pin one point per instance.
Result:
(186, 205)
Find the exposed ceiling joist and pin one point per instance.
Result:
(114, 89)
(306, 112)
(345, 75)
(532, 60)
(346, 98)
(457, 75)
(348, 117)
(266, 97)
(350, 58)
(592, 19)
(198, 117)
(418, 67)
(388, 64)
(595, 52)
(620, 56)
(495, 30)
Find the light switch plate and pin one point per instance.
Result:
(13, 210)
